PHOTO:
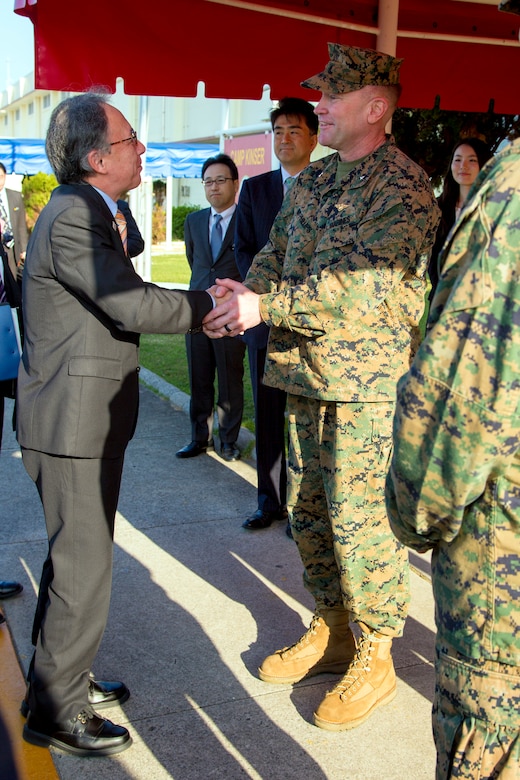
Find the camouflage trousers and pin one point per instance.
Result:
(338, 459)
(476, 718)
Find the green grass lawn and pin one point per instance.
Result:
(165, 355)
(170, 268)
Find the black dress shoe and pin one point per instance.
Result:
(195, 448)
(8, 589)
(288, 530)
(2, 618)
(263, 519)
(230, 452)
(85, 735)
(102, 694)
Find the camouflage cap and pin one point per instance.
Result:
(513, 6)
(351, 68)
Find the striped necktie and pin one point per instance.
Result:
(3, 295)
(6, 227)
(121, 225)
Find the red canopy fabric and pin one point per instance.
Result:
(165, 47)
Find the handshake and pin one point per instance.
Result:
(237, 309)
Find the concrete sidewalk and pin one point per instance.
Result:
(197, 604)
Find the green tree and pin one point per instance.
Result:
(36, 191)
(179, 214)
(428, 136)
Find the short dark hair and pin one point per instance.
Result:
(3, 168)
(291, 106)
(221, 159)
(78, 125)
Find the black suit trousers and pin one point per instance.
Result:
(79, 497)
(271, 438)
(225, 357)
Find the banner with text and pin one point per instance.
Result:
(251, 153)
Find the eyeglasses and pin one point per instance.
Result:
(132, 137)
(219, 180)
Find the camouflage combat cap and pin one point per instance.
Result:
(513, 6)
(351, 68)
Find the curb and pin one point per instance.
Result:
(18, 759)
(181, 400)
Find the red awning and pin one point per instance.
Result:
(465, 52)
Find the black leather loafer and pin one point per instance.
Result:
(263, 519)
(8, 589)
(85, 735)
(229, 452)
(102, 694)
(195, 448)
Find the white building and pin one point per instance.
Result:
(25, 113)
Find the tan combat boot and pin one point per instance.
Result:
(369, 682)
(327, 646)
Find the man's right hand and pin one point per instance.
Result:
(237, 310)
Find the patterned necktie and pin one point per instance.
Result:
(121, 225)
(3, 296)
(288, 183)
(6, 225)
(216, 236)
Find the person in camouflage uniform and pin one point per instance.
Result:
(454, 482)
(341, 283)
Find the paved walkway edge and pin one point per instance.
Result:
(18, 759)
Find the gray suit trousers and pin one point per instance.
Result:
(79, 498)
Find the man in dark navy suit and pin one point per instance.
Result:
(210, 249)
(295, 129)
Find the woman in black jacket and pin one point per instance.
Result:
(469, 155)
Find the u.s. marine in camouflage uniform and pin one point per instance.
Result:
(454, 483)
(341, 284)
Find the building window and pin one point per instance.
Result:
(30, 109)
(46, 101)
(17, 115)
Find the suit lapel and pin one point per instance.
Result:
(93, 195)
(275, 194)
(204, 227)
(278, 185)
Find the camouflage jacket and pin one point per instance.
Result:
(454, 482)
(342, 277)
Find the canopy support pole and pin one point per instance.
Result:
(387, 36)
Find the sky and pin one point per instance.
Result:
(17, 45)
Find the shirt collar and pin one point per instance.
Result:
(224, 214)
(112, 205)
(286, 175)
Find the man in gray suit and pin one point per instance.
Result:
(84, 307)
(14, 230)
